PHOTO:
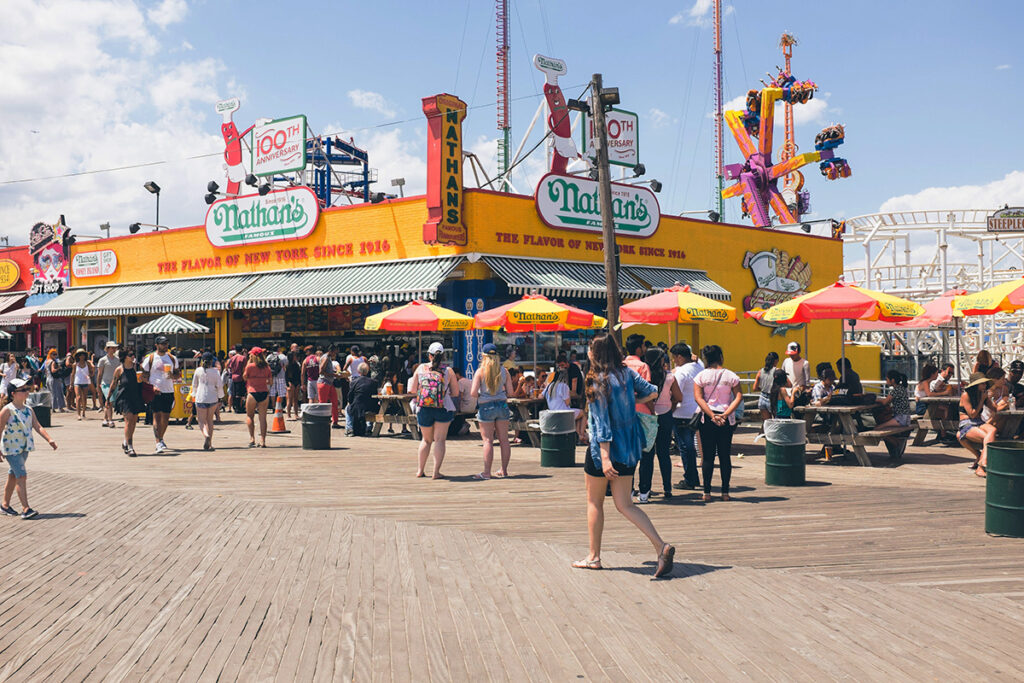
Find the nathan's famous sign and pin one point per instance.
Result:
(572, 203)
(289, 213)
(444, 170)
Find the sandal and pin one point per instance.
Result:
(481, 476)
(501, 475)
(725, 496)
(706, 498)
(587, 564)
(665, 558)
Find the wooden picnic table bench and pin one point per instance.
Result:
(407, 417)
(843, 431)
(523, 419)
(936, 417)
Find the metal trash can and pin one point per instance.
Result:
(557, 438)
(1004, 489)
(785, 463)
(316, 427)
(41, 403)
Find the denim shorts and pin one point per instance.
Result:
(426, 417)
(205, 405)
(16, 464)
(492, 411)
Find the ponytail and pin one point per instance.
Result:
(770, 360)
(897, 377)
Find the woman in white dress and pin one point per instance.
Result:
(8, 371)
(556, 393)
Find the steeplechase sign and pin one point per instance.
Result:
(572, 203)
(1010, 219)
(285, 214)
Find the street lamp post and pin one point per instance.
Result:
(400, 184)
(155, 189)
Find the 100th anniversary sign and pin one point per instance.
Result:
(572, 203)
(290, 213)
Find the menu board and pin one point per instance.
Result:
(316, 319)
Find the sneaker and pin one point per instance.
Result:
(336, 426)
(160, 447)
(683, 486)
(9, 511)
(124, 446)
(130, 450)
(29, 514)
(643, 498)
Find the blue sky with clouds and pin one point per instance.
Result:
(928, 91)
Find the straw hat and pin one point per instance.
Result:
(81, 351)
(978, 378)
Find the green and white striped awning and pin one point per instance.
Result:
(72, 302)
(559, 278)
(5, 335)
(190, 294)
(355, 284)
(170, 324)
(660, 279)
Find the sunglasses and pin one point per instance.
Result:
(20, 389)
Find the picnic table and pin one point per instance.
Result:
(937, 417)
(407, 417)
(843, 431)
(522, 417)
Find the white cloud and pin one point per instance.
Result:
(659, 118)
(699, 14)
(168, 12)
(94, 75)
(1002, 67)
(1007, 190)
(365, 99)
(811, 112)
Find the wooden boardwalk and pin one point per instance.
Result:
(285, 565)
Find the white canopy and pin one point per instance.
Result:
(171, 324)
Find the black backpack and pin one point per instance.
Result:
(275, 363)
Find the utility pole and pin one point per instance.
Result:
(604, 180)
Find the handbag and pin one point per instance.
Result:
(147, 391)
(649, 425)
(694, 422)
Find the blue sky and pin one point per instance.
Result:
(927, 91)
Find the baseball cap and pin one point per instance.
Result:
(111, 344)
(15, 384)
(160, 340)
(208, 357)
(792, 348)
(1017, 366)
(490, 348)
(435, 348)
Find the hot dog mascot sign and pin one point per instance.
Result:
(777, 278)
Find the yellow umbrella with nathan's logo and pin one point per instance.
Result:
(419, 316)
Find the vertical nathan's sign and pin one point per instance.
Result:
(444, 170)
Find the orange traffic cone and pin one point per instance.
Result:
(277, 426)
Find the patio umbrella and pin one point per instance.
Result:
(537, 313)
(843, 301)
(419, 316)
(1005, 297)
(171, 324)
(675, 305)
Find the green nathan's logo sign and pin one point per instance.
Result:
(289, 213)
(572, 203)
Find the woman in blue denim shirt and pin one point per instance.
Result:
(615, 443)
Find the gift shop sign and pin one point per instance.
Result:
(279, 146)
(623, 137)
(286, 214)
(571, 203)
(94, 263)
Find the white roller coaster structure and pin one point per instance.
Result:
(893, 245)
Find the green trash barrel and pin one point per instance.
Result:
(558, 450)
(785, 463)
(557, 438)
(316, 427)
(1004, 489)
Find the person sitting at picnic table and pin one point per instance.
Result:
(849, 379)
(899, 401)
(822, 392)
(923, 389)
(940, 386)
(797, 368)
(783, 394)
(983, 362)
(361, 399)
(1013, 378)
(973, 428)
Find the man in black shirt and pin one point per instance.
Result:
(575, 380)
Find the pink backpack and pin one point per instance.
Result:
(430, 392)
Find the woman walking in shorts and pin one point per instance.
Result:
(257, 376)
(127, 397)
(83, 373)
(615, 440)
(491, 388)
(207, 390)
(17, 421)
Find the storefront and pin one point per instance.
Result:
(17, 289)
(319, 288)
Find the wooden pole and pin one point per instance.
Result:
(611, 266)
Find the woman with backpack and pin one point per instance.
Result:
(435, 385)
